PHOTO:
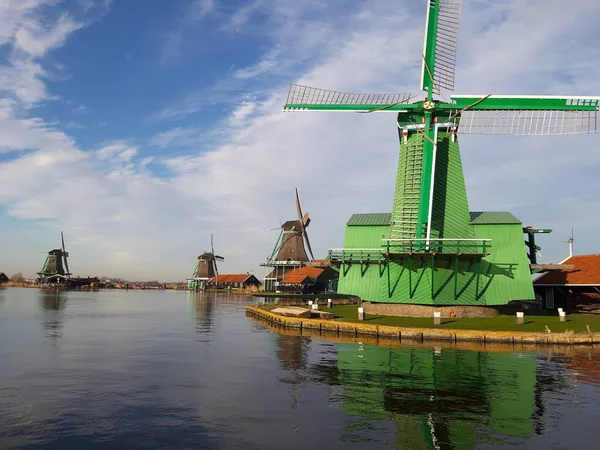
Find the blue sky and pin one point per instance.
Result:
(141, 127)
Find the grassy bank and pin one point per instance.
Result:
(576, 323)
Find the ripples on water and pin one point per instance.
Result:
(180, 370)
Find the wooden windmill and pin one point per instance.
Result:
(56, 266)
(289, 251)
(436, 250)
(206, 268)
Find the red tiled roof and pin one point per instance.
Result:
(297, 276)
(586, 271)
(230, 278)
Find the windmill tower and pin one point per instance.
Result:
(206, 268)
(289, 251)
(435, 251)
(56, 267)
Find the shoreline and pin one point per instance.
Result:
(400, 334)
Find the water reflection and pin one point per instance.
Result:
(449, 399)
(292, 354)
(52, 302)
(204, 306)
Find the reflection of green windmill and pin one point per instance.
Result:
(440, 399)
(436, 251)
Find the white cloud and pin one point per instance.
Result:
(242, 113)
(118, 150)
(36, 39)
(126, 220)
(264, 65)
(81, 109)
(199, 9)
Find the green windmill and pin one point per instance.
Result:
(431, 249)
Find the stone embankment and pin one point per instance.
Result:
(339, 328)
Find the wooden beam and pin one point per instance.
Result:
(548, 267)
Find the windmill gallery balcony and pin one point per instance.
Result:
(398, 248)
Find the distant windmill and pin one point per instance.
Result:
(569, 241)
(206, 267)
(56, 266)
(290, 250)
(290, 245)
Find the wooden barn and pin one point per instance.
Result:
(307, 280)
(573, 290)
(244, 281)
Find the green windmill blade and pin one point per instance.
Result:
(440, 45)
(525, 115)
(304, 98)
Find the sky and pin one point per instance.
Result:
(141, 127)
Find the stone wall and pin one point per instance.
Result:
(389, 309)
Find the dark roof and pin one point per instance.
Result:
(585, 272)
(371, 219)
(493, 218)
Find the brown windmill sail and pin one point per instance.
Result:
(206, 268)
(294, 236)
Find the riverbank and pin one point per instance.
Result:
(323, 296)
(501, 329)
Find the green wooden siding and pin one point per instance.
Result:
(501, 277)
(452, 282)
(450, 211)
(405, 209)
(357, 279)
(506, 270)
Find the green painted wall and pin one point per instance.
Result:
(363, 280)
(501, 277)
(506, 271)
(412, 280)
(450, 216)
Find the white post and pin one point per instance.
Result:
(310, 303)
(437, 318)
(361, 313)
(315, 307)
(562, 315)
(520, 318)
(329, 302)
(570, 248)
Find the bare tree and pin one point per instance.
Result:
(17, 277)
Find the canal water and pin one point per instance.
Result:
(165, 369)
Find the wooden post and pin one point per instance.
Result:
(437, 318)
(562, 315)
(329, 302)
(520, 318)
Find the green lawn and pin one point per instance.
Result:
(576, 323)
